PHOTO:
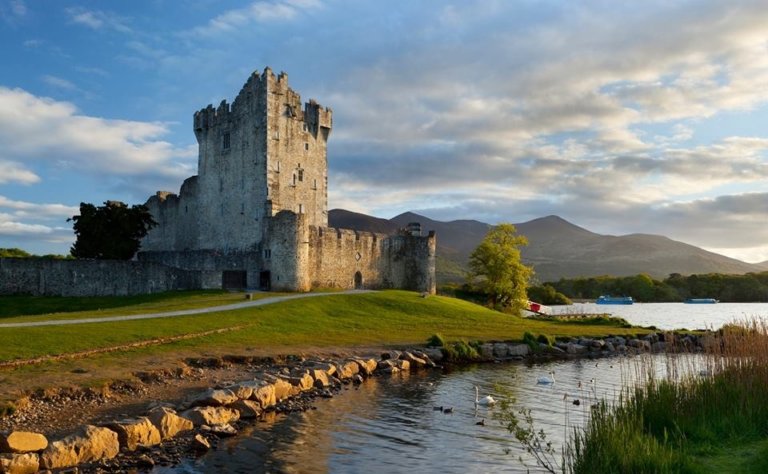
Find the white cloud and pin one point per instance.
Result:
(11, 172)
(58, 82)
(28, 209)
(98, 20)
(256, 12)
(10, 227)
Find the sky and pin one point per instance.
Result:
(619, 116)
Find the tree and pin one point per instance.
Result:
(496, 264)
(112, 231)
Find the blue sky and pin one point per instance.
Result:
(621, 117)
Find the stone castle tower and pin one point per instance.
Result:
(256, 215)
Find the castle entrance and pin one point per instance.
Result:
(265, 281)
(358, 281)
(234, 279)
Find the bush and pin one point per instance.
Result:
(546, 339)
(460, 352)
(436, 340)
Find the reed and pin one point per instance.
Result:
(709, 415)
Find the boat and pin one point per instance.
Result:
(538, 308)
(605, 299)
(701, 301)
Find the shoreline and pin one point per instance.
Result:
(296, 383)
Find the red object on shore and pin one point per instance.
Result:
(535, 307)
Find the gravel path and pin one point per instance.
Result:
(186, 312)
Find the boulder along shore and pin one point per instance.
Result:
(163, 416)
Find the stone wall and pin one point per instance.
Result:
(49, 277)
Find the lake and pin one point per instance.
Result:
(390, 425)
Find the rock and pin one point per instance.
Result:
(576, 348)
(367, 366)
(390, 370)
(247, 408)
(243, 390)
(434, 353)
(211, 415)
(135, 432)
(329, 369)
(358, 379)
(386, 364)
(215, 398)
(302, 381)
(556, 350)
(283, 389)
(486, 350)
(28, 463)
(424, 357)
(168, 423)
(89, 443)
(145, 462)
(347, 370)
(659, 346)
(264, 394)
(321, 378)
(500, 349)
(403, 365)
(518, 349)
(415, 362)
(651, 338)
(634, 343)
(394, 355)
(223, 431)
(597, 344)
(610, 347)
(22, 442)
(200, 444)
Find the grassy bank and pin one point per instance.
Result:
(334, 322)
(706, 423)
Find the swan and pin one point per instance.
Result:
(547, 380)
(487, 400)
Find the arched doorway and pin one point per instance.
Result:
(358, 281)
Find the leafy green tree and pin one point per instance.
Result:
(496, 267)
(112, 231)
(547, 294)
(14, 253)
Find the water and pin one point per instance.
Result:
(673, 315)
(390, 425)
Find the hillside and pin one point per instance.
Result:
(558, 248)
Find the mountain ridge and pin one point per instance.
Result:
(558, 248)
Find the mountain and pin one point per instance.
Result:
(558, 248)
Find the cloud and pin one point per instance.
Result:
(13, 11)
(256, 12)
(47, 132)
(58, 82)
(10, 227)
(11, 172)
(98, 20)
(28, 209)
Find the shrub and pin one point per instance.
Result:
(546, 339)
(436, 340)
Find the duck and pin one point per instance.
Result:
(481, 422)
(448, 410)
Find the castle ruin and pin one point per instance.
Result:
(257, 212)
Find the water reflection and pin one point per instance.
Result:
(391, 424)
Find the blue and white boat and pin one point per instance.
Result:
(604, 299)
(701, 301)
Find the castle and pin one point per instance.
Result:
(256, 215)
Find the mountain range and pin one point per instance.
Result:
(557, 248)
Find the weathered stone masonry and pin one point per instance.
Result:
(258, 209)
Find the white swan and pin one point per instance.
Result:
(547, 380)
(487, 400)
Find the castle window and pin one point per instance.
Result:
(278, 166)
(314, 184)
(294, 179)
(267, 253)
(226, 141)
(301, 208)
(306, 146)
(301, 175)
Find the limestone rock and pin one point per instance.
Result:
(434, 353)
(264, 394)
(89, 443)
(386, 364)
(390, 355)
(247, 408)
(518, 349)
(367, 366)
(302, 381)
(168, 423)
(28, 463)
(486, 350)
(244, 390)
(347, 370)
(135, 432)
(211, 415)
(321, 378)
(283, 389)
(22, 442)
(403, 365)
(329, 369)
(414, 361)
(500, 349)
(200, 444)
(224, 430)
(574, 348)
(215, 398)
(659, 346)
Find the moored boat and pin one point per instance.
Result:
(605, 299)
(701, 301)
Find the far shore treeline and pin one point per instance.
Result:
(751, 287)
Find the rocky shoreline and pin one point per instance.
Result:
(157, 433)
